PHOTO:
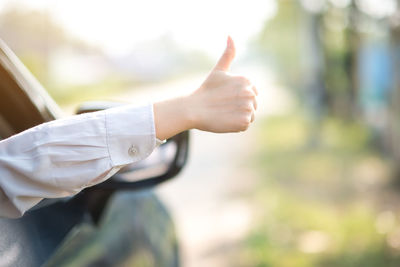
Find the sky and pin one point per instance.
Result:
(118, 25)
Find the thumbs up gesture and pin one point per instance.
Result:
(223, 103)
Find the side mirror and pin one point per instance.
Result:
(165, 162)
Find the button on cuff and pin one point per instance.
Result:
(130, 133)
(133, 151)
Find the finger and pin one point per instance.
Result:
(255, 104)
(254, 88)
(253, 97)
(225, 61)
(253, 116)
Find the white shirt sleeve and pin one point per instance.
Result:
(62, 157)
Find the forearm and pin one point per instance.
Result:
(172, 117)
(62, 157)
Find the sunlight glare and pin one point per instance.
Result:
(117, 26)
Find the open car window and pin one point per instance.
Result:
(24, 103)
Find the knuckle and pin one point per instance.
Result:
(244, 127)
(247, 108)
(242, 80)
(244, 123)
(247, 93)
(251, 94)
(255, 90)
(219, 74)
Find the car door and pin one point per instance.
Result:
(120, 222)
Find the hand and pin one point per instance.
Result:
(223, 103)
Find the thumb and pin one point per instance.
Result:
(224, 63)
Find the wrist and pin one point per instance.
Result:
(187, 105)
(172, 117)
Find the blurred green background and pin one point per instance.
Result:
(329, 178)
(328, 174)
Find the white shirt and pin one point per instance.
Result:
(62, 157)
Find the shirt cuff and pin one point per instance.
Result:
(160, 142)
(130, 133)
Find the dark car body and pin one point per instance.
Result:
(120, 222)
